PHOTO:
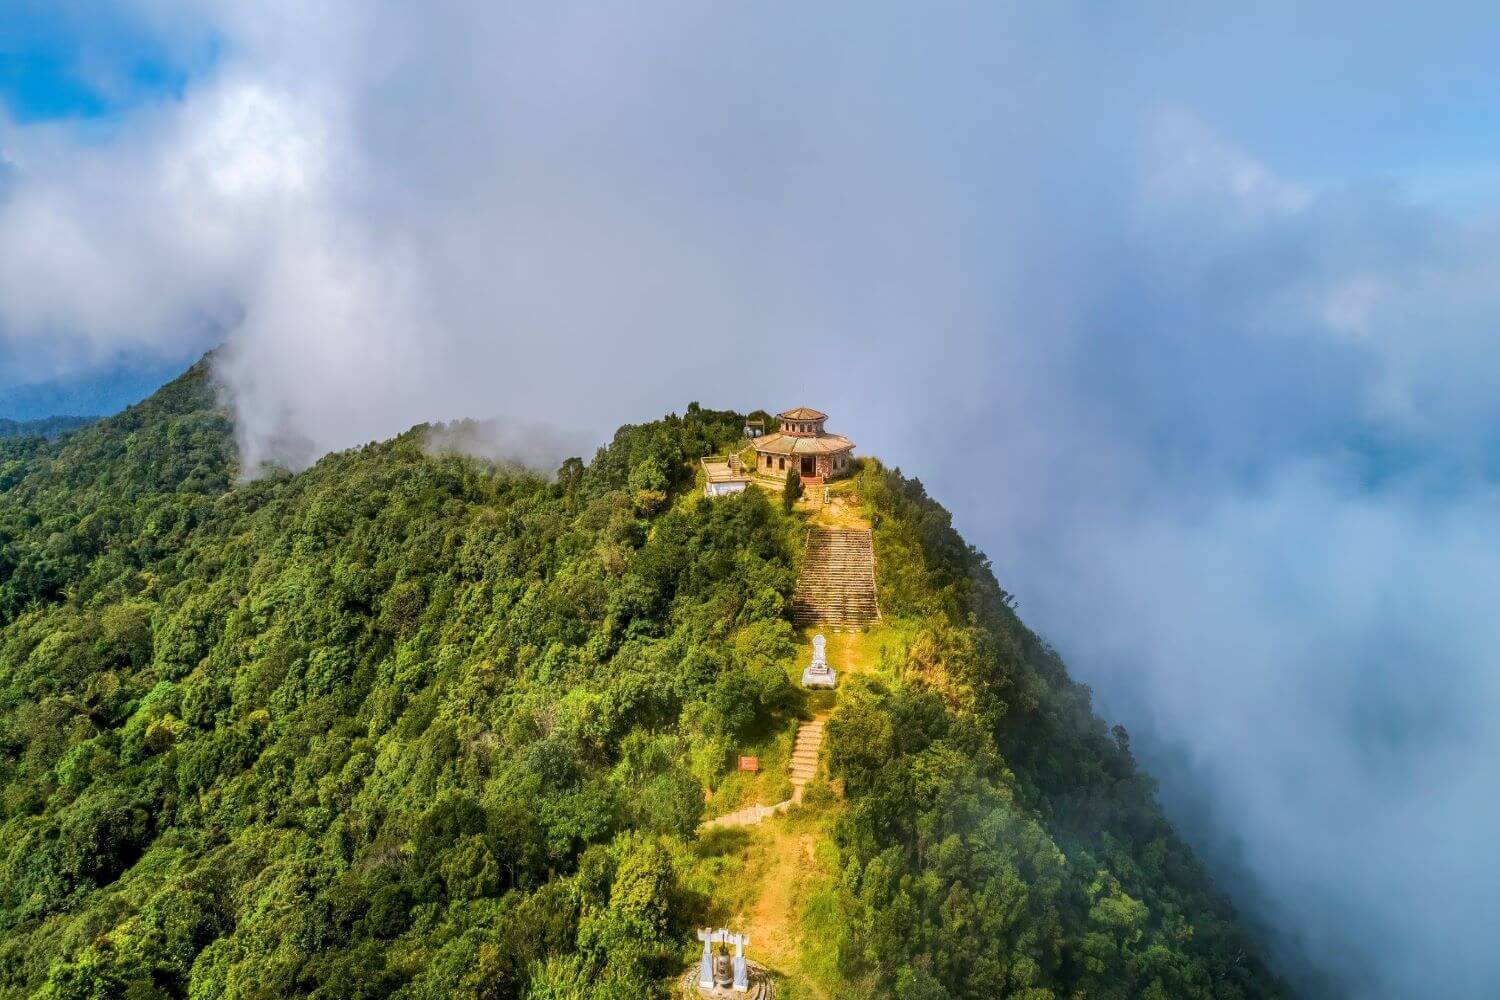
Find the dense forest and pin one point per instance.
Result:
(46, 427)
(411, 724)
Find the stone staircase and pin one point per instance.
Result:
(804, 768)
(805, 756)
(837, 584)
(748, 816)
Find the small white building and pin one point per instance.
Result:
(725, 488)
(723, 475)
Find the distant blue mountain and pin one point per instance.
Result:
(47, 427)
(98, 391)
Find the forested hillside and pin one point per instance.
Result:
(408, 724)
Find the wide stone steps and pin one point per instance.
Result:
(837, 582)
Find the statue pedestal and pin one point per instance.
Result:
(815, 677)
(721, 976)
(756, 984)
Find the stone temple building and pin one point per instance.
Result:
(804, 445)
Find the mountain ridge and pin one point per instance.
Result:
(404, 724)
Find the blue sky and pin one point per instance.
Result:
(41, 79)
(1188, 314)
(71, 60)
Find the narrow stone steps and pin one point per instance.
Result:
(803, 768)
(748, 816)
(805, 751)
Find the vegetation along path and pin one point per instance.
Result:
(790, 858)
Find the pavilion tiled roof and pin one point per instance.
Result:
(803, 413)
(792, 444)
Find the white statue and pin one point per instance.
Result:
(818, 673)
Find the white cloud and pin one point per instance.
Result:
(248, 145)
(151, 240)
(1189, 166)
(1349, 305)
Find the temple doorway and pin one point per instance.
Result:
(809, 467)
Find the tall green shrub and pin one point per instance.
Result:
(793, 491)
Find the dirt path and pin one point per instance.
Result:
(774, 919)
(840, 512)
(783, 871)
(781, 866)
